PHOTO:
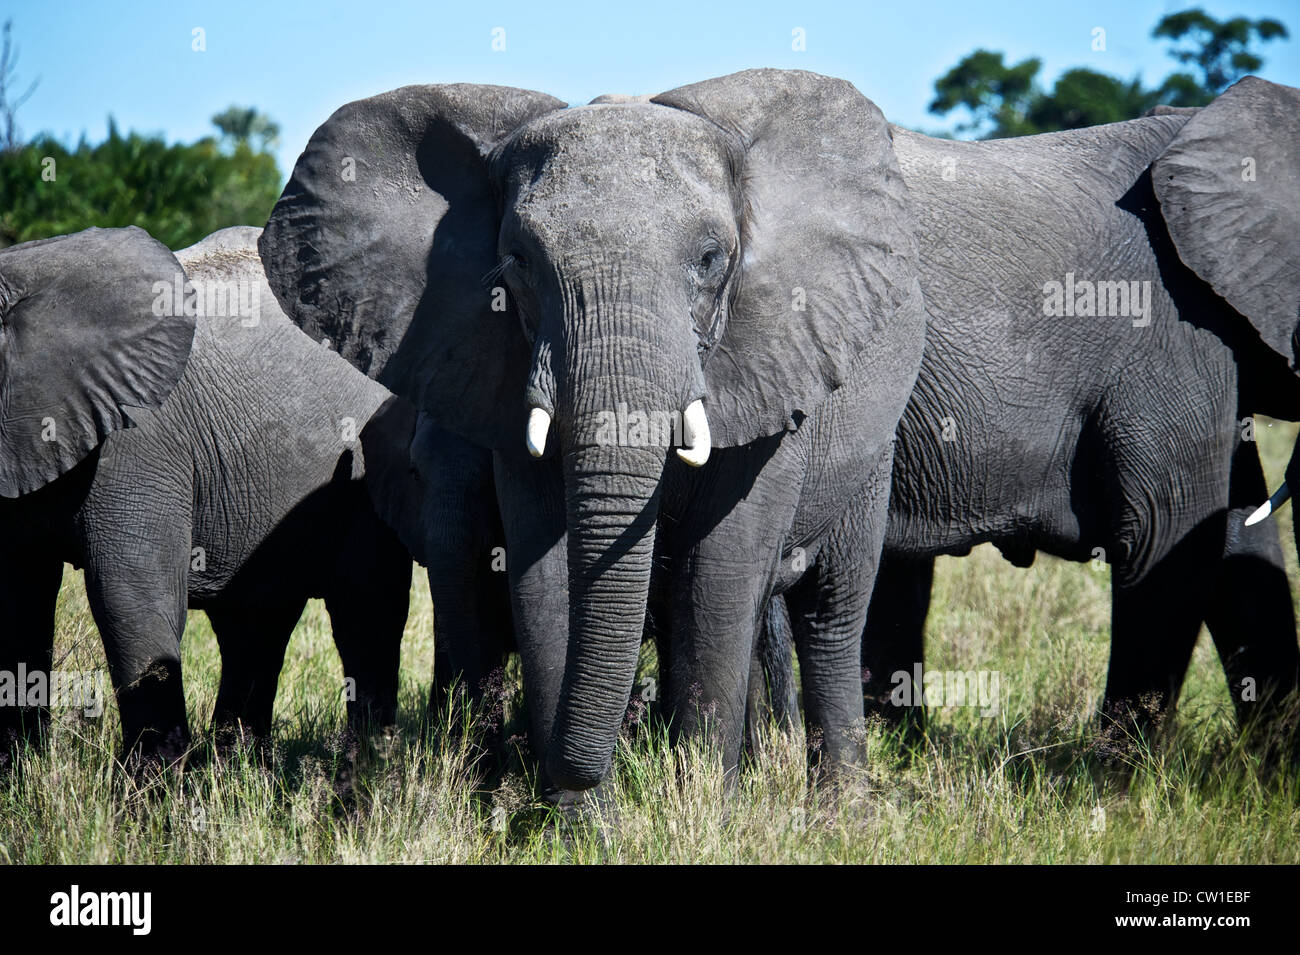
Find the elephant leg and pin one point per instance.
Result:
(1166, 493)
(495, 618)
(723, 571)
(471, 626)
(1251, 617)
(473, 637)
(1155, 620)
(457, 666)
(532, 505)
(252, 639)
(466, 570)
(138, 598)
(893, 642)
(713, 648)
(656, 690)
(368, 601)
(828, 611)
(29, 592)
(773, 696)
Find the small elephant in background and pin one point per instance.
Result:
(167, 429)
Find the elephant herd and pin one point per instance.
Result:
(735, 359)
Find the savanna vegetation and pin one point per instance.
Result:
(1034, 783)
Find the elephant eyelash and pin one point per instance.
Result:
(494, 274)
(493, 278)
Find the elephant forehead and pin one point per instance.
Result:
(633, 145)
(591, 169)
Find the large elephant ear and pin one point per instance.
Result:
(1229, 191)
(91, 326)
(829, 259)
(383, 237)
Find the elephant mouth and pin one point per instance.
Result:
(690, 432)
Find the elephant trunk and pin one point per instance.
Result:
(627, 386)
(612, 498)
(616, 382)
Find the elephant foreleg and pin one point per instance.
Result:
(533, 518)
(466, 562)
(828, 611)
(471, 625)
(1155, 621)
(773, 696)
(722, 579)
(252, 640)
(893, 642)
(1166, 490)
(368, 601)
(1251, 617)
(29, 591)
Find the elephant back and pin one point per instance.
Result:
(298, 401)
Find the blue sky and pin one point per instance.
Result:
(299, 61)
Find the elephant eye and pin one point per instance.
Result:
(712, 261)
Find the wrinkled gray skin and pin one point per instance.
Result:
(1066, 434)
(457, 535)
(240, 490)
(745, 241)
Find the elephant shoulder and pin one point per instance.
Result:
(245, 336)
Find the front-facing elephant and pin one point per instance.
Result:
(687, 326)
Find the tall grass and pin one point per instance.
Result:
(1025, 785)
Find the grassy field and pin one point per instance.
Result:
(1024, 786)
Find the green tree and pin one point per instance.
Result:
(1083, 97)
(998, 96)
(1008, 100)
(179, 192)
(239, 125)
(1219, 49)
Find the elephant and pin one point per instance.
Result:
(1094, 435)
(727, 270)
(167, 429)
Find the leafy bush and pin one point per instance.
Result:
(179, 193)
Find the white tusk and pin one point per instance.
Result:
(695, 432)
(539, 422)
(1280, 497)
